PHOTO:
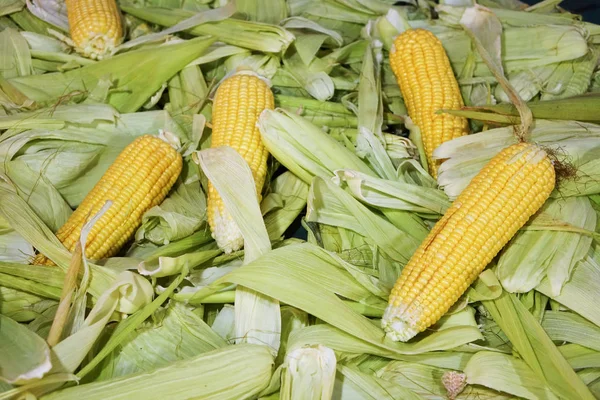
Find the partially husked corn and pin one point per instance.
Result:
(238, 102)
(95, 26)
(486, 215)
(139, 179)
(427, 83)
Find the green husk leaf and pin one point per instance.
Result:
(570, 327)
(202, 17)
(507, 374)
(580, 357)
(579, 108)
(258, 317)
(227, 373)
(329, 204)
(13, 247)
(248, 34)
(485, 30)
(256, 11)
(14, 54)
(393, 194)
(177, 217)
(532, 255)
(22, 306)
(368, 386)
(24, 356)
(485, 287)
(291, 320)
(580, 294)
(289, 193)
(133, 87)
(535, 347)
(425, 348)
(465, 156)
(303, 148)
(11, 6)
(571, 78)
(175, 333)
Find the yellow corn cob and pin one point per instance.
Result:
(486, 215)
(427, 83)
(138, 180)
(238, 102)
(95, 26)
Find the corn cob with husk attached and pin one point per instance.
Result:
(238, 102)
(95, 26)
(427, 83)
(486, 215)
(139, 179)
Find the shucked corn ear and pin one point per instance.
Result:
(427, 83)
(139, 179)
(95, 26)
(238, 102)
(486, 215)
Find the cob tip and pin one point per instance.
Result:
(225, 231)
(396, 326)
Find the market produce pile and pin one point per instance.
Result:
(159, 158)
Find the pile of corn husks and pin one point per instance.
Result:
(172, 317)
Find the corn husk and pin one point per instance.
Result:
(22, 306)
(251, 35)
(535, 347)
(303, 148)
(180, 215)
(580, 357)
(580, 108)
(258, 317)
(579, 293)
(176, 334)
(25, 356)
(15, 54)
(354, 384)
(291, 320)
(283, 204)
(507, 374)
(227, 373)
(532, 255)
(575, 141)
(563, 326)
(308, 373)
(49, 88)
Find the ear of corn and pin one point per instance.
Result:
(238, 102)
(487, 214)
(139, 179)
(95, 26)
(427, 83)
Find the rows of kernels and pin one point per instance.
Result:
(94, 20)
(498, 201)
(427, 83)
(139, 179)
(238, 102)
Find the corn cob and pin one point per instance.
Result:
(138, 180)
(238, 102)
(486, 215)
(427, 83)
(95, 26)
